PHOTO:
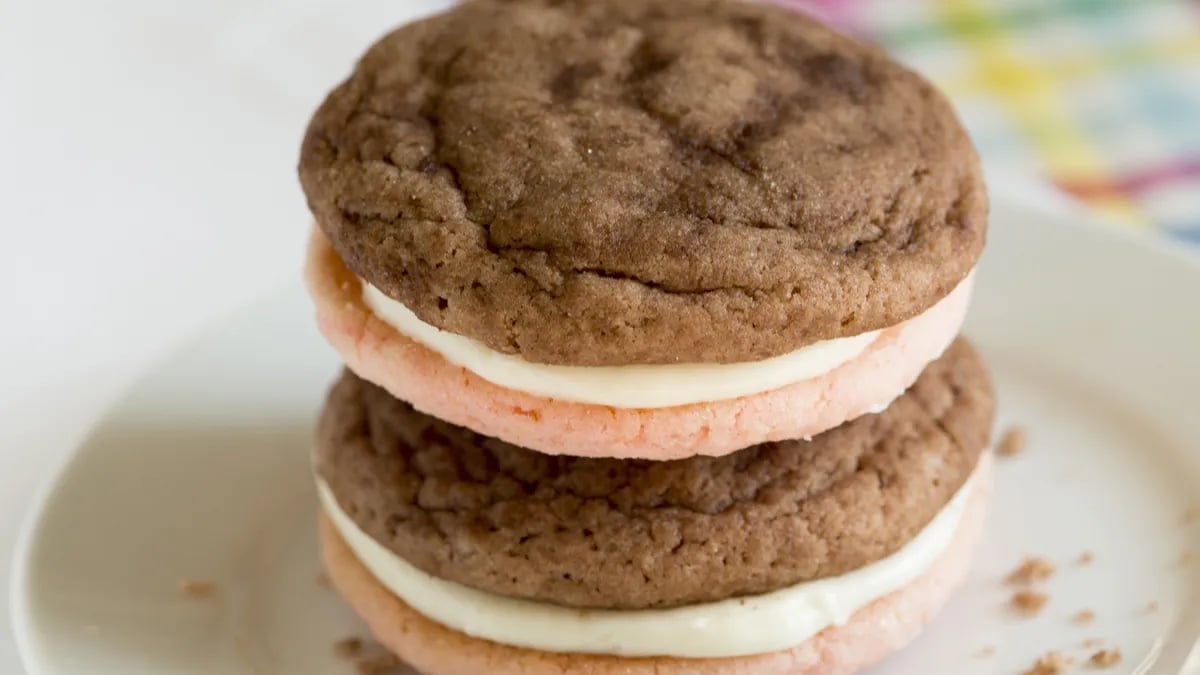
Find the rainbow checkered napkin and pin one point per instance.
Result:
(1101, 97)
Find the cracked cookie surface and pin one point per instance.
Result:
(633, 533)
(636, 181)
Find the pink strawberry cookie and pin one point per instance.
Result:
(417, 374)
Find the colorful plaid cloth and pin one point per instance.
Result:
(1100, 96)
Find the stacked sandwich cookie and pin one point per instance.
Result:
(650, 312)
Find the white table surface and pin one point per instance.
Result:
(148, 185)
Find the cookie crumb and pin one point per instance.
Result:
(1105, 658)
(1051, 663)
(1031, 570)
(985, 653)
(198, 589)
(378, 664)
(1012, 442)
(1086, 558)
(1092, 642)
(348, 648)
(1152, 607)
(1029, 602)
(369, 657)
(1084, 617)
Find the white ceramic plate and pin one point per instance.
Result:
(201, 473)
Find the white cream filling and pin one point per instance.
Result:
(736, 627)
(635, 386)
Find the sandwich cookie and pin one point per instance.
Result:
(468, 554)
(639, 229)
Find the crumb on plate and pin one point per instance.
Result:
(1084, 617)
(1152, 607)
(348, 648)
(1029, 602)
(1086, 558)
(1093, 642)
(987, 652)
(1105, 658)
(197, 589)
(1031, 570)
(1050, 663)
(1011, 443)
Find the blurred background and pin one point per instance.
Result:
(1099, 98)
(147, 154)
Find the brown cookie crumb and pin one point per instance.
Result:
(1105, 658)
(1084, 617)
(1152, 607)
(369, 657)
(198, 589)
(1051, 663)
(1092, 642)
(1029, 602)
(1030, 571)
(1086, 558)
(348, 648)
(1011, 443)
(985, 653)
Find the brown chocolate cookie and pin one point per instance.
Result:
(631, 533)
(599, 182)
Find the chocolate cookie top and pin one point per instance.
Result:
(604, 182)
(630, 533)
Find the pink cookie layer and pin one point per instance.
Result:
(414, 373)
(872, 633)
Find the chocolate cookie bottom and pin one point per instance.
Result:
(853, 642)
(620, 534)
